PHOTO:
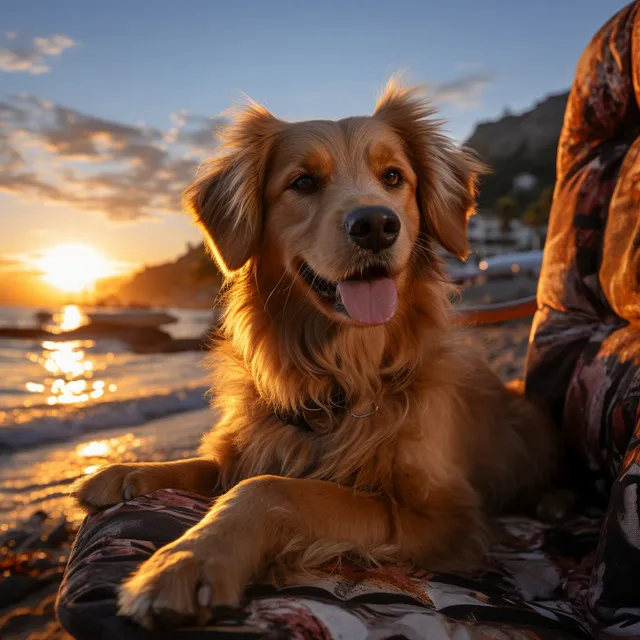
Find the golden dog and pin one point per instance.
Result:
(353, 419)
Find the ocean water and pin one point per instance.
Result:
(55, 391)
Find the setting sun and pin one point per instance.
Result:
(73, 267)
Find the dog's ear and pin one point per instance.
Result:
(226, 198)
(447, 174)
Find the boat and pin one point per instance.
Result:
(131, 318)
(520, 263)
(463, 273)
(43, 317)
(509, 265)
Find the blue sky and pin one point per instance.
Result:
(137, 62)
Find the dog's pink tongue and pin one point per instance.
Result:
(372, 302)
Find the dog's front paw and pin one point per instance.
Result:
(115, 483)
(180, 585)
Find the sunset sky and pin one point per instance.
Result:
(106, 108)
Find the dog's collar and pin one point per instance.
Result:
(313, 418)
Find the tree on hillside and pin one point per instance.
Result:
(507, 210)
(537, 215)
(545, 200)
(541, 164)
(206, 269)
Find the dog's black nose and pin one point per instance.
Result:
(373, 228)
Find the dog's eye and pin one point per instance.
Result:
(392, 177)
(305, 184)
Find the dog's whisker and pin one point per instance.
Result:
(266, 302)
(293, 281)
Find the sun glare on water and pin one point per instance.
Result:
(73, 267)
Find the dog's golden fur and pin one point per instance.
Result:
(410, 482)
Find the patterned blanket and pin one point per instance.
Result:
(532, 585)
(577, 580)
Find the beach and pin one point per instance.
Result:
(37, 518)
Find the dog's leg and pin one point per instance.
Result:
(121, 482)
(210, 566)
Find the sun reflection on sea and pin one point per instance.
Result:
(97, 452)
(67, 358)
(94, 449)
(70, 318)
(72, 378)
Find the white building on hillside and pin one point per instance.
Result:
(524, 182)
(488, 238)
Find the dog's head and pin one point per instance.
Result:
(347, 209)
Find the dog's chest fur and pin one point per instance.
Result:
(386, 452)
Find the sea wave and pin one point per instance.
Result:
(45, 426)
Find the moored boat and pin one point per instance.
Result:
(131, 318)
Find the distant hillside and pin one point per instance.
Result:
(520, 144)
(191, 281)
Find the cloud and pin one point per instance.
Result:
(53, 46)
(462, 92)
(32, 57)
(60, 155)
(195, 131)
(27, 60)
(9, 263)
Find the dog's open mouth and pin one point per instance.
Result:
(369, 297)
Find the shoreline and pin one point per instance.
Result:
(36, 538)
(45, 472)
